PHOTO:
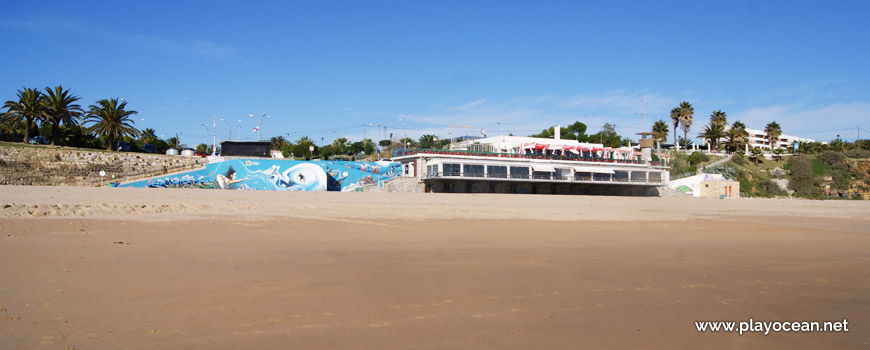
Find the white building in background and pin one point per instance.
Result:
(758, 138)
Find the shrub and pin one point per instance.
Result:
(831, 157)
(697, 158)
(819, 167)
(857, 153)
(802, 180)
(773, 188)
(738, 159)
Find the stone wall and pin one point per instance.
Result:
(59, 166)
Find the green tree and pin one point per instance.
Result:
(302, 147)
(607, 136)
(686, 113)
(719, 118)
(408, 142)
(148, 135)
(59, 107)
(713, 132)
(277, 142)
(111, 120)
(772, 132)
(28, 109)
(778, 153)
(675, 119)
(172, 142)
(737, 136)
(756, 153)
(660, 131)
(427, 141)
(340, 146)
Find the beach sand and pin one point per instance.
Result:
(112, 268)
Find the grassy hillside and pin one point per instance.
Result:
(804, 176)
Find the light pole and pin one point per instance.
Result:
(261, 123)
(213, 135)
(501, 128)
(404, 144)
(206, 131)
(230, 136)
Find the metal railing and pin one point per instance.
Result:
(542, 178)
(411, 152)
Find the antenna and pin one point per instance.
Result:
(641, 115)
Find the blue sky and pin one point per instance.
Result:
(324, 69)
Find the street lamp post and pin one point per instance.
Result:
(260, 126)
(230, 126)
(206, 131)
(213, 135)
(404, 144)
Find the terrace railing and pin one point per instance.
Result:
(411, 152)
(543, 178)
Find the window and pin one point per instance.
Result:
(496, 171)
(451, 169)
(621, 176)
(541, 175)
(519, 172)
(473, 170)
(583, 176)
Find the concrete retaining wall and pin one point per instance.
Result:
(75, 167)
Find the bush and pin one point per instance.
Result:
(857, 153)
(697, 158)
(738, 159)
(772, 188)
(802, 180)
(831, 157)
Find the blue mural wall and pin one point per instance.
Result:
(279, 175)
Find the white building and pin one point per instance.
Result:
(758, 138)
(514, 164)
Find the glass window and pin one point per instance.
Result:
(473, 170)
(519, 172)
(497, 171)
(451, 169)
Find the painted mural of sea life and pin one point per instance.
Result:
(279, 175)
(685, 189)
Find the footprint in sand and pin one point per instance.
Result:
(154, 331)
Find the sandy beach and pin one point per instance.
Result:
(110, 268)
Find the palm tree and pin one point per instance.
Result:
(277, 142)
(779, 152)
(148, 136)
(712, 133)
(772, 132)
(59, 107)
(756, 153)
(675, 119)
(28, 109)
(427, 141)
(172, 142)
(737, 135)
(719, 117)
(660, 131)
(408, 142)
(340, 145)
(111, 120)
(686, 113)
